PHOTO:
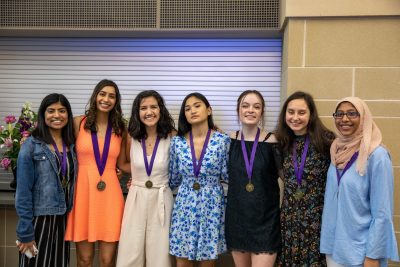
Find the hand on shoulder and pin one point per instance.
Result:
(77, 124)
(219, 130)
(79, 117)
(173, 133)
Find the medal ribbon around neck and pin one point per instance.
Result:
(197, 167)
(298, 170)
(62, 159)
(101, 160)
(348, 165)
(249, 164)
(153, 155)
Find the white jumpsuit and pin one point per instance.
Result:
(147, 214)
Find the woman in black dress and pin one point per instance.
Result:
(252, 213)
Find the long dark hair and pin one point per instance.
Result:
(320, 136)
(259, 95)
(42, 131)
(183, 125)
(115, 115)
(165, 125)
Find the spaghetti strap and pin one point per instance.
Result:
(267, 136)
(237, 134)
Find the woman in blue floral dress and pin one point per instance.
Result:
(198, 162)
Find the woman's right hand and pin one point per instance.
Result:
(23, 247)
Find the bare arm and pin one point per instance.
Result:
(123, 161)
(77, 124)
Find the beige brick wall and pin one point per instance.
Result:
(334, 57)
(338, 8)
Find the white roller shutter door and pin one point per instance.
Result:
(221, 69)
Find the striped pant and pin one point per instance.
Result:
(49, 237)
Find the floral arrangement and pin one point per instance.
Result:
(13, 135)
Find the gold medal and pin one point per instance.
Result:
(249, 187)
(101, 185)
(64, 182)
(299, 194)
(196, 186)
(149, 184)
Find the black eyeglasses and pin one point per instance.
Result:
(349, 114)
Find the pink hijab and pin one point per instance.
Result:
(365, 139)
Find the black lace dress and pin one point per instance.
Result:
(252, 218)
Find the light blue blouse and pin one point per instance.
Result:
(357, 216)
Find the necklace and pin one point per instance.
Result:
(249, 162)
(149, 167)
(299, 169)
(197, 164)
(101, 160)
(62, 158)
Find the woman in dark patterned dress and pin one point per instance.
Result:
(252, 213)
(305, 144)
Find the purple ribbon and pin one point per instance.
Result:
(298, 171)
(101, 161)
(197, 167)
(348, 165)
(249, 165)
(153, 155)
(63, 158)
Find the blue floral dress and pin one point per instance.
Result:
(197, 224)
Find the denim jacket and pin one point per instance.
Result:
(39, 190)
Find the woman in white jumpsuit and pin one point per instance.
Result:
(145, 225)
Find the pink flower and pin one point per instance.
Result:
(26, 133)
(5, 163)
(8, 142)
(10, 119)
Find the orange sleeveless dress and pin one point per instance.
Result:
(96, 215)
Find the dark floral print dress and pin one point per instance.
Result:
(301, 217)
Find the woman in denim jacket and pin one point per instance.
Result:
(46, 170)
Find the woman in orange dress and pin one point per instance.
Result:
(99, 203)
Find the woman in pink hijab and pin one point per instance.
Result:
(357, 227)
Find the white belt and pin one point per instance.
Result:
(160, 203)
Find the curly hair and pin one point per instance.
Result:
(320, 136)
(165, 125)
(115, 116)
